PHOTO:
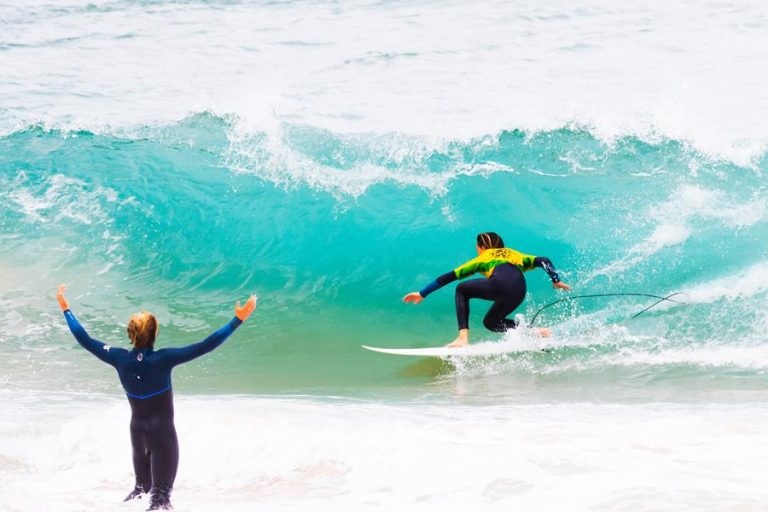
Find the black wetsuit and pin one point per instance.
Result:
(505, 285)
(506, 288)
(146, 377)
(155, 447)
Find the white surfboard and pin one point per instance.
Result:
(480, 349)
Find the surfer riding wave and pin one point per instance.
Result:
(505, 285)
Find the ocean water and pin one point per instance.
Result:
(331, 157)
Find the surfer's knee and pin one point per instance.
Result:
(492, 324)
(461, 289)
(496, 324)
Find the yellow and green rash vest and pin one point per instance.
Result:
(488, 260)
(491, 258)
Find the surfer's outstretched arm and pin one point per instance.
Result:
(416, 297)
(101, 350)
(549, 268)
(175, 356)
(438, 283)
(465, 270)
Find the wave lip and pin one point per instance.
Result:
(514, 67)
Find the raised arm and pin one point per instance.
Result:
(176, 356)
(101, 350)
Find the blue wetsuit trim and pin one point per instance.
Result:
(549, 268)
(438, 283)
(144, 397)
(429, 288)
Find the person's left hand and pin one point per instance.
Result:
(243, 312)
(63, 304)
(413, 298)
(561, 286)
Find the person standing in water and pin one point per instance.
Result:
(145, 374)
(505, 285)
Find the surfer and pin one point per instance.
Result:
(505, 285)
(146, 377)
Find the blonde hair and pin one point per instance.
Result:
(142, 329)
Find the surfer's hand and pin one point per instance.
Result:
(561, 286)
(413, 297)
(63, 304)
(245, 311)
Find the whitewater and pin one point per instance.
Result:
(177, 156)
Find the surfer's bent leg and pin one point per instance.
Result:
(472, 289)
(508, 284)
(496, 319)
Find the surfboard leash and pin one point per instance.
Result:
(659, 300)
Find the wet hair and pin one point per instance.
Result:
(490, 240)
(142, 329)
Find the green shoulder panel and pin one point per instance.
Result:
(528, 262)
(470, 267)
(479, 264)
(467, 269)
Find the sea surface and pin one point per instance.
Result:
(329, 157)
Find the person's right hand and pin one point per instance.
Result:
(63, 304)
(413, 297)
(245, 311)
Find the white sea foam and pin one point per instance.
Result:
(437, 69)
(73, 453)
(688, 208)
(712, 355)
(746, 283)
(58, 200)
(266, 155)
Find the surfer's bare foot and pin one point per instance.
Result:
(458, 342)
(544, 332)
(461, 341)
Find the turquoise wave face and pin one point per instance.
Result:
(330, 231)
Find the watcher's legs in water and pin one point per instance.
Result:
(165, 462)
(141, 459)
(155, 448)
(161, 498)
